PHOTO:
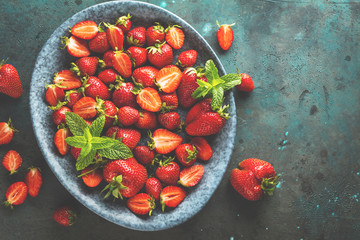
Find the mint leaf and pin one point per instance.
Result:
(231, 77)
(87, 133)
(97, 126)
(84, 161)
(85, 150)
(116, 151)
(211, 71)
(75, 123)
(217, 98)
(230, 85)
(102, 142)
(76, 141)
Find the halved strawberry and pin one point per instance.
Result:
(16, 194)
(149, 99)
(6, 132)
(33, 180)
(171, 196)
(141, 204)
(54, 94)
(12, 161)
(175, 36)
(67, 80)
(115, 37)
(71, 97)
(122, 63)
(76, 47)
(164, 141)
(86, 108)
(168, 78)
(91, 177)
(85, 30)
(191, 176)
(59, 140)
(205, 151)
(225, 35)
(58, 115)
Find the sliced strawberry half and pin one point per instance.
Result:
(122, 63)
(141, 204)
(171, 196)
(191, 176)
(16, 194)
(205, 151)
(67, 80)
(85, 30)
(115, 37)
(76, 47)
(175, 36)
(59, 140)
(12, 161)
(168, 78)
(86, 108)
(33, 180)
(149, 99)
(91, 177)
(165, 141)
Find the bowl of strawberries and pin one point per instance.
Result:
(138, 110)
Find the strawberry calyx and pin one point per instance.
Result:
(156, 48)
(122, 20)
(11, 126)
(75, 69)
(58, 105)
(100, 27)
(268, 185)
(166, 161)
(164, 108)
(117, 84)
(171, 27)
(225, 25)
(151, 143)
(65, 41)
(3, 62)
(8, 204)
(222, 111)
(133, 41)
(158, 27)
(191, 154)
(113, 188)
(101, 64)
(72, 217)
(152, 204)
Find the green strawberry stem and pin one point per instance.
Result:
(191, 154)
(230, 25)
(8, 204)
(75, 69)
(3, 62)
(122, 20)
(113, 188)
(268, 185)
(10, 124)
(72, 217)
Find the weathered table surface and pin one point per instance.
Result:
(303, 117)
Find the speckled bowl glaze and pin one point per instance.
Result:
(52, 59)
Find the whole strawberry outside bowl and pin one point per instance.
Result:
(54, 59)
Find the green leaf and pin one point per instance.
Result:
(211, 71)
(76, 141)
(97, 126)
(84, 161)
(231, 77)
(85, 150)
(230, 85)
(116, 151)
(217, 98)
(87, 134)
(102, 142)
(76, 123)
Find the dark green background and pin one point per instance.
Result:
(304, 59)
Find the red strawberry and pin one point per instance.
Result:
(59, 140)
(245, 183)
(122, 63)
(85, 66)
(58, 115)
(172, 196)
(111, 132)
(86, 108)
(153, 187)
(124, 23)
(125, 177)
(108, 57)
(168, 78)
(54, 94)
(65, 216)
(109, 109)
(186, 154)
(99, 43)
(141, 204)
(165, 141)
(122, 96)
(260, 168)
(67, 80)
(247, 84)
(92, 177)
(130, 137)
(143, 154)
(169, 120)
(33, 180)
(115, 37)
(149, 99)
(225, 35)
(138, 55)
(170, 99)
(155, 34)
(128, 116)
(6, 132)
(147, 120)
(175, 36)
(198, 109)
(145, 76)
(168, 172)
(75, 152)
(76, 47)
(72, 97)
(205, 151)
(10, 83)
(206, 124)
(85, 30)
(160, 55)
(96, 89)
(191, 176)
(16, 194)
(136, 37)
(12, 161)
(187, 58)
(109, 76)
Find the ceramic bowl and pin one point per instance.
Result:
(52, 59)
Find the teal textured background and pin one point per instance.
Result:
(303, 117)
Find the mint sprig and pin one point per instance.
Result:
(216, 85)
(88, 139)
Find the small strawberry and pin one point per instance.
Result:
(109, 76)
(109, 109)
(91, 177)
(123, 96)
(71, 97)
(12, 161)
(85, 30)
(145, 76)
(136, 37)
(67, 80)
(164, 141)
(153, 187)
(130, 137)
(138, 55)
(85, 66)
(147, 120)
(124, 23)
(143, 154)
(187, 58)
(170, 99)
(247, 84)
(186, 154)
(16, 194)
(175, 37)
(205, 151)
(86, 108)
(148, 99)
(160, 55)
(58, 115)
(122, 63)
(168, 172)
(6, 132)
(191, 176)
(33, 181)
(172, 196)
(99, 43)
(65, 216)
(108, 57)
(169, 120)
(76, 47)
(168, 78)
(95, 88)
(225, 35)
(128, 116)
(10, 83)
(115, 37)
(54, 94)
(59, 140)
(155, 34)
(141, 204)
